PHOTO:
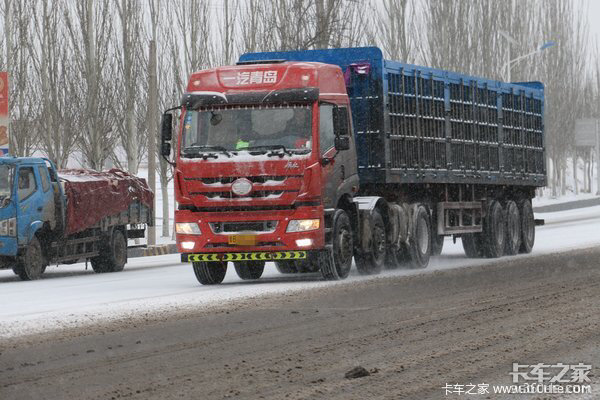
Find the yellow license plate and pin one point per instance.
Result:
(242, 240)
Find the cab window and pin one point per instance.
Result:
(44, 178)
(326, 132)
(27, 183)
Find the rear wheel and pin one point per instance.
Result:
(420, 239)
(373, 261)
(472, 244)
(32, 264)
(513, 229)
(527, 226)
(397, 256)
(210, 273)
(113, 255)
(338, 264)
(494, 231)
(437, 244)
(248, 270)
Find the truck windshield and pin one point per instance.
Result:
(256, 129)
(6, 174)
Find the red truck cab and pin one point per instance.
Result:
(259, 167)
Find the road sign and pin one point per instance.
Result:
(585, 132)
(4, 118)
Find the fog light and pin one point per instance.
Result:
(188, 245)
(304, 242)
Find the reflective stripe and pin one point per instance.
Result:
(262, 256)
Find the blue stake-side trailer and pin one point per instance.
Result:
(419, 154)
(47, 217)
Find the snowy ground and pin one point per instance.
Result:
(72, 296)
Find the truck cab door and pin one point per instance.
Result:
(331, 173)
(47, 194)
(339, 176)
(30, 202)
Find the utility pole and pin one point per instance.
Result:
(597, 156)
(152, 132)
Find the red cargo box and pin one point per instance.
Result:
(92, 196)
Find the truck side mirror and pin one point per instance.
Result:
(342, 143)
(167, 128)
(165, 149)
(340, 121)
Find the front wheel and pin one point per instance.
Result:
(31, 265)
(210, 273)
(337, 265)
(249, 270)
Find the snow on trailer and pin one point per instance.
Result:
(47, 217)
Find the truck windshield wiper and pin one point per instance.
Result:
(272, 147)
(197, 148)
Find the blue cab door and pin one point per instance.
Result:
(30, 204)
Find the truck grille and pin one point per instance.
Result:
(246, 226)
(226, 180)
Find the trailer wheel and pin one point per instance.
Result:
(527, 226)
(373, 261)
(513, 229)
(248, 270)
(113, 256)
(397, 257)
(210, 273)
(494, 231)
(472, 245)
(338, 264)
(419, 247)
(31, 265)
(437, 244)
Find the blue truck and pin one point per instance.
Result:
(376, 160)
(47, 217)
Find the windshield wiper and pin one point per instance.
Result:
(195, 148)
(272, 147)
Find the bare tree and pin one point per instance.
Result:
(128, 108)
(55, 82)
(89, 28)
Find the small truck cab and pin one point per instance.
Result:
(29, 192)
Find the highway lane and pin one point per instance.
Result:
(153, 287)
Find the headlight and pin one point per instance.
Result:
(303, 225)
(187, 228)
(8, 227)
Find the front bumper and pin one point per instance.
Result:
(275, 241)
(247, 256)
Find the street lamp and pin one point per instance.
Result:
(510, 63)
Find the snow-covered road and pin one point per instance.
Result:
(70, 296)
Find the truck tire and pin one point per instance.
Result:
(472, 245)
(397, 257)
(286, 267)
(337, 265)
(527, 226)
(249, 270)
(210, 273)
(437, 244)
(419, 248)
(372, 262)
(494, 231)
(113, 255)
(513, 229)
(31, 265)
